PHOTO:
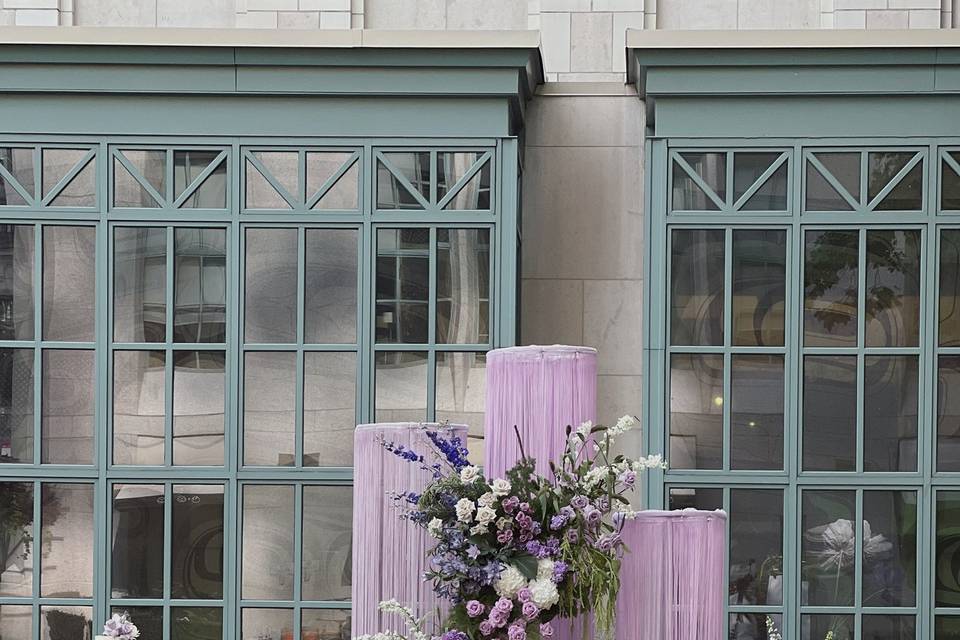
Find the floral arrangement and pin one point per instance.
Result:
(120, 627)
(513, 553)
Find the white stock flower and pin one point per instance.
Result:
(594, 476)
(544, 593)
(487, 500)
(584, 429)
(500, 487)
(465, 509)
(510, 582)
(544, 568)
(623, 425)
(469, 474)
(435, 528)
(650, 462)
(486, 515)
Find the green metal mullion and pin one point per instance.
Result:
(793, 378)
(103, 445)
(302, 194)
(858, 564)
(892, 184)
(168, 352)
(431, 398)
(861, 341)
(169, 177)
(37, 337)
(864, 180)
(298, 398)
(167, 554)
(240, 238)
(297, 558)
(37, 177)
(36, 558)
(727, 340)
(231, 559)
(434, 176)
(728, 182)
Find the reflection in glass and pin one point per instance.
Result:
(270, 286)
(137, 530)
(817, 627)
(266, 624)
(949, 185)
(67, 411)
(946, 565)
(829, 413)
(19, 162)
(16, 282)
(460, 392)
(403, 285)
(883, 166)
(747, 169)
(199, 401)
(329, 408)
(890, 409)
(200, 293)
(414, 166)
(889, 548)
(463, 286)
(451, 168)
(58, 622)
(756, 546)
(828, 547)
(16, 621)
(16, 539)
(196, 555)
(696, 411)
(81, 190)
(888, 628)
(269, 407)
(830, 288)
(139, 284)
(844, 166)
(948, 414)
(697, 285)
(327, 535)
(753, 626)
(401, 386)
(16, 405)
(69, 289)
(268, 528)
(345, 192)
(756, 412)
(893, 288)
(330, 286)
(947, 627)
(687, 194)
(151, 164)
(139, 407)
(705, 499)
(196, 623)
(759, 286)
(187, 167)
(950, 287)
(149, 620)
(325, 623)
(66, 562)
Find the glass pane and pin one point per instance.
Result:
(822, 626)
(187, 167)
(269, 407)
(695, 498)
(283, 166)
(756, 546)
(845, 167)
(344, 193)
(330, 286)
(828, 547)
(69, 286)
(687, 194)
(152, 167)
(56, 164)
(60, 623)
(260, 194)
(907, 194)
(830, 288)
(200, 293)
(136, 547)
(460, 393)
(890, 409)
(950, 287)
(882, 167)
(756, 412)
(199, 401)
(67, 413)
(753, 626)
(947, 560)
(19, 162)
(268, 528)
(829, 413)
(949, 185)
(270, 286)
(948, 414)
(266, 624)
(196, 623)
(16, 405)
(81, 191)
(139, 284)
(948, 628)
(16, 540)
(196, 560)
(16, 282)
(772, 196)
(697, 285)
(414, 166)
(759, 286)
(403, 285)
(747, 169)
(893, 289)
(329, 408)
(889, 554)
(16, 621)
(327, 535)
(696, 411)
(475, 194)
(401, 386)
(139, 407)
(66, 564)
(317, 624)
(149, 620)
(463, 286)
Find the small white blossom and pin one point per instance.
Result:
(465, 509)
(469, 474)
(435, 528)
(509, 582)
(650, 462)
(487, 500)
(594, 476)
(500, 487)
(623, 425)
(584, 429)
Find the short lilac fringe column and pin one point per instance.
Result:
(671, 581)
(541, 391)
(389, 554)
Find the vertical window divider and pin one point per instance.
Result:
(37, 339)
(431, 399)
(299, 400)
(858, 564)
(302, 195)
(37, 191)
(169, 299)
(434, 177)
(862, 203)
(727, 335)
(297, 559)
(366, 339)
(233, 358)
(168, 190)
(35, 550)
(167, 556)
(728, 200)
(861, 343)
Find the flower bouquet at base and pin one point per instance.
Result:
(514, 553)
(119, 627)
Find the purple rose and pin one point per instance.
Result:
(593, 516)
(546, 630)
(453, 634)
(579, 502)
(607, 542)
(475, 609)
(486, 628)
(568, 512)
(629, 478)
(530, 610)
(516, 632)
(603, 503)
(498, 618)
(504, 604)
(573, 536)
(524, 595)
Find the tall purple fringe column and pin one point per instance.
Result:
(671, 581)
(389, 554)
(540, 390)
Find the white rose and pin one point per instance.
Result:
(487, 500)
(544, 593)
(465, 509)
(509, 582)
(504, 523)
(544, 568)
(479, 529)
(500, 487)
(486, 515)
(435, 528)
(469, 475)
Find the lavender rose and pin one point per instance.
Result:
(475, 609)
